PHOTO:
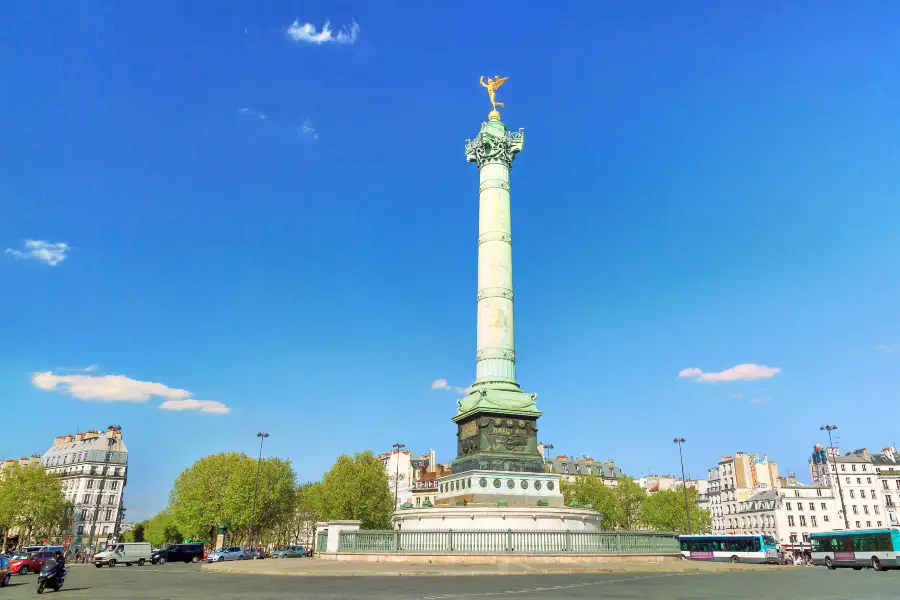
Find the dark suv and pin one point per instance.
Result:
(178, 553)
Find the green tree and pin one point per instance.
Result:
(137, 534)
(591, 490)
(219, 489)
(357, 488)
(32, 499)
(629, 500)
(665, 511)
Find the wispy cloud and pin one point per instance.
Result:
(744, 372)
(758, 400)
(307, 33)
(887, 347)
(119, 388)
(252, 113)
(738, 396)
(443, 384)
(50, 253)
(206, 406)
(307, 129)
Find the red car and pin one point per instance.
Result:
(30, 562)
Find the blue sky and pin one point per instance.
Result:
(287, 226)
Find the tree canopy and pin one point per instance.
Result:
(664, 511)
(31, 499)
(219, 489)
(357, 488)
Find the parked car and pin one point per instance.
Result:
(4, 571)
(31, 562)
(128, 553)
(291, 552)
(255, 554)
(227, 553)
(178, 553)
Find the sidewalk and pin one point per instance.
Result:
(310, 567)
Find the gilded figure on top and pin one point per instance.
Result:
(492, 85)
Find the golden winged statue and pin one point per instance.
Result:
(492, 85)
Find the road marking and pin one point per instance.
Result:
(558, 587)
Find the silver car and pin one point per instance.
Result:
(227, 553)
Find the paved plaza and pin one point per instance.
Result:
(183, 581)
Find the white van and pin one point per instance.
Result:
(127, 552)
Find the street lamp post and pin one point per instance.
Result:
(546, 448)
(687, 510)
(398, 447)
(262, 436)
(829, 429)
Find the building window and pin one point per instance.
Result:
(787, 505)
(843, 467)
(80, 530)
(868, 480)
(858, 526)
(862, 493)
(898, 483)
(879, 523)
(812, 521)
(818, 492)
(806, 538)
(802, 521)
(868, 523)
(90, 484)
(797, 494)
(888, 500)
(824, 507)
(108, 515)
(864, 468)
(83, 514)
(848, 480)
(884, 484)
(876, 509)
(852, 494)
(114, 485)
(855, 510)
(800, 506)
(853, 467)
(825, 518)
(812, 506)
(793, 538)
(865, 509)
(791, 521)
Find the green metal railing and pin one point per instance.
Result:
(507, 542)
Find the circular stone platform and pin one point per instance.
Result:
(475, 517)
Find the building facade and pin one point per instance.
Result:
(93, 466)
(789, 513)
(855, 481)
(887, 469)
(398, 466)
(733, 481)
(572, 468)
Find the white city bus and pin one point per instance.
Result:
(730, 548)
(876, 548)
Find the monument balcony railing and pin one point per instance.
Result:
(506, 542)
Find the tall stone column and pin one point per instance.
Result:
(497, 421)
(494, 150)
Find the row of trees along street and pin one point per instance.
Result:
(32, 502)
(628, 506)
(219, 489)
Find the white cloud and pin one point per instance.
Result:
(250, 112)
(307, 129)
(443, 384)
(744, 372)
(306, 32)
(738, 396)
(206, 406)
(758, 400)
(119, 388)
(887, 347)
(51, 253)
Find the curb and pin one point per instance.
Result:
(480, 573)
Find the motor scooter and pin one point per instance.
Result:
(50, 577)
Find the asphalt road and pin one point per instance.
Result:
(187, 581)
